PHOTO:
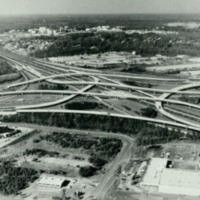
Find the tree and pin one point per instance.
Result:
(148, 112)
(87, 171)
(97, 162)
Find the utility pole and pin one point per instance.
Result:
(63, 194)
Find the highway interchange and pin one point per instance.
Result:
(101, 86)
(97, 78)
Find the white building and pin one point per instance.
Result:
(176, 181)
(52, 181)
(170, 180)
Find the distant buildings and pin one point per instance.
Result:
(120, 29)
(104, 29)
(109, 60)
(158, 32)
(187, 25)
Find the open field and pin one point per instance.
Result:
(183, 151)
(21, 100)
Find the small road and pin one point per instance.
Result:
(110, 176)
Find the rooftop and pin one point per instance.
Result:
(154, 171)
(170, 180)
(51, 180)
(181, 178)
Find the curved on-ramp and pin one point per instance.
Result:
(159, 104)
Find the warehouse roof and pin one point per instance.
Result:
(180, 178)
(51, 180)
(154, 171)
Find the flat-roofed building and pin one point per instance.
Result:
(154, 172)
(171, 180)
(52, 181)
(176, 181)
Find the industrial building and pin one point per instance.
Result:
(170, 180)
(52, 181)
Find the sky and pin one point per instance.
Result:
(20, 7)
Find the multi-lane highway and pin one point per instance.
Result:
(113, 85)
(83, 92)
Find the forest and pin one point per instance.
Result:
(78, 121)
(149, 44)
(13, 179)
(101, 42)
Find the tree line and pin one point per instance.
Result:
(52, 87)
(146, 133)
(5, 129)
(78, 121)
(157, 135)
(82, 105)
(40, 152)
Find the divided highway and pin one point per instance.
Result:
(83, 92)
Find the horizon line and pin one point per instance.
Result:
(57, 14)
